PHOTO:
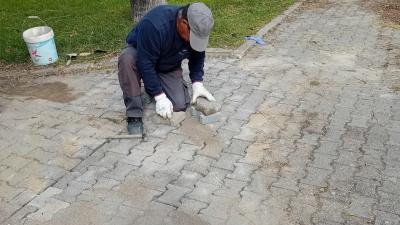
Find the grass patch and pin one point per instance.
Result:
(87, 25)
(235, 19)
(79, 25)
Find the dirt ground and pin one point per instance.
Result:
(388, 9)
(314, 4)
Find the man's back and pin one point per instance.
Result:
(156, 36)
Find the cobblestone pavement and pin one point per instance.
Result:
(310, 134)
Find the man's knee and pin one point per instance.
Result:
(181, 106)
(126, 60)
(180, 99)
(127, 57)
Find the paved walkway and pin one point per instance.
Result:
(310, 135)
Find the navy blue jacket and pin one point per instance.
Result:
(160, 49)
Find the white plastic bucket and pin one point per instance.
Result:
(41, 45)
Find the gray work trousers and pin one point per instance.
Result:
(172, 83)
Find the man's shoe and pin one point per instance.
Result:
(135, 125)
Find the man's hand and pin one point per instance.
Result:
(200, 90)
(164, 106)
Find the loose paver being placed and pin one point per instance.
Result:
(308, 133)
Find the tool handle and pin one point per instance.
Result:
(31, 17)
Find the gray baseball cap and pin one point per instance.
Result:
(201, 22)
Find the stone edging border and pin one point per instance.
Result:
(241, 51)
(210, 52)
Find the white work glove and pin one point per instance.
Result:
(164, 106)
(200, 90)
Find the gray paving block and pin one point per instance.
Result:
(187, 179)
(213, 118)
(323, 161)
(242, 172)
(202, 192)
(206, 107)
(385, 218)
(227, 161)
(308, 133)
(361, 206)
(191, 206)
(389, 203)
(237, 147)
(40, 201)
(173, 195)
(316, 176)
(51, 207)
(177, 118)
(200, 165)
(219, 207)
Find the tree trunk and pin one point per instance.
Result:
(140, 7)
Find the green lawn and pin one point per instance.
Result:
(235, 19)
(87, 25)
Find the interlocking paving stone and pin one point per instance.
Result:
(309, 134)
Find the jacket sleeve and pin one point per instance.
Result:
(148, 53)
(196, 65)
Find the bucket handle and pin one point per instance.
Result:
(31, 17)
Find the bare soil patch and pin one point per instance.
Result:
(315, 4)
(389, 10)
(53, 91)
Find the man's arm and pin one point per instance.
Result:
(196, 66)
(148, 52)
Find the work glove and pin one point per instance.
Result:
(164, 106)
(200, 90)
